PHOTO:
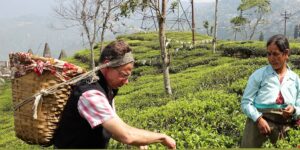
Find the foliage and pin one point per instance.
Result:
(290, 142)
(261, 5)
(244, 49)
(247, 49)
(206, 25)
(295, 48)
(260, 8)
(238, 21)
(295, 60)
(238, 87)
(237, 24)
(198, 120)
(204, 110)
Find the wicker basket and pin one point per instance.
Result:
(40, 90)
(40, 130)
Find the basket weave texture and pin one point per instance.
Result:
(40, 130)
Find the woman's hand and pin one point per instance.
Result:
(288, 111)
(263, 126)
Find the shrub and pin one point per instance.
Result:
(244, 49)
(247, 49)
(199, 120)
(238, 86)
(290, 142)
(295, 60)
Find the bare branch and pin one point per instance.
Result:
(92, 15)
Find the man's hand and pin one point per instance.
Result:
(288, 111)
(263, 126)
(133, 136)
(169, 142)
(143, 147)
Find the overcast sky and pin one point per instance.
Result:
(16, 8)
(25, 24)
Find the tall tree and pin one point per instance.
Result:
(94, 16)
(296, 31)
(215, 27)
(111, 15)
(164, 53)
(206, 26)
(260, 8)
(237, 24)
(261, 37)
(159, 7)
(193, 22)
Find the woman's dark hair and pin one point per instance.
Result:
(114, 50)
(281, 42)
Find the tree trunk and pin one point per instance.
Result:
(104, 26)
(101, 42)
(215, 28)
(164, 53)
(92, 62)
(235, 35)
(254, 27)
(91, 34)
(102, 35)
(193, 23)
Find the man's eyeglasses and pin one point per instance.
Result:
(123, 74)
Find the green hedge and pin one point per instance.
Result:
(205, 119)
(247, 49)
(243, 49)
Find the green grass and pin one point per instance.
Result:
(8, 140)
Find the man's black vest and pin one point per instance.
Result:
(73, 130)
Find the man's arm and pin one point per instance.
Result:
(129, 135)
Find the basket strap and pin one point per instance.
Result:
(37, 101)
(50, 90)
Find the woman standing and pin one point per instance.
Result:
(271, 100)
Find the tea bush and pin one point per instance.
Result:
(204, 110)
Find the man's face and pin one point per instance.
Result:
(117, 77)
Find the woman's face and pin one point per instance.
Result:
(276, 58)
